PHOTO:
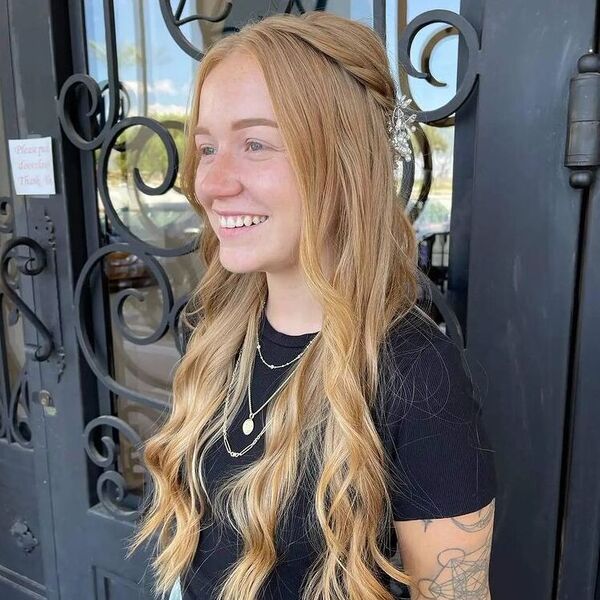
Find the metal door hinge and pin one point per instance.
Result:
(582, 153)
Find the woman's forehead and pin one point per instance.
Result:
(235, 72)
(235, 91)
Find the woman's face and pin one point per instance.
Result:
(243, 169)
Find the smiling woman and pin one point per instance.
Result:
(244, 169)
(320, 419)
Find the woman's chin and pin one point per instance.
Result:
(239, 265)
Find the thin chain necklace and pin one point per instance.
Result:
(248, 425)
(270, 365)
(230, 451)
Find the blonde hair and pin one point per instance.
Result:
(332, 93)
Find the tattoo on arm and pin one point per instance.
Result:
(461, 574)
(426, 522)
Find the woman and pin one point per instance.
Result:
(319, 418)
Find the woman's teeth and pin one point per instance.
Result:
(241, 221)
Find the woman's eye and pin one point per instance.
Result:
(209, 150)
(203, 148)
(260, 146)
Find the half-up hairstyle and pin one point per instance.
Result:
(332, 92)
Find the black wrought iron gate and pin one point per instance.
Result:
(92, 287)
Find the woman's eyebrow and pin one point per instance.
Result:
(241, 124)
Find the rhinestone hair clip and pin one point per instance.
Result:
(399, 127)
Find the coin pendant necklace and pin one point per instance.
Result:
(248, 424)
(230, 451)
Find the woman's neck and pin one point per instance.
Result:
(291, 308)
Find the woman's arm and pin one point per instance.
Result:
(448, 558)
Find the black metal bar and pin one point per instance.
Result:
(578, 538)
(465, 130)
(379, 18)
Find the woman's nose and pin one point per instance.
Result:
(220, 177)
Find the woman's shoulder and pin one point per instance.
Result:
(417, 331)
(430, 422)
(419, 353)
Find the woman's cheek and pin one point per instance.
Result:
(198, 192)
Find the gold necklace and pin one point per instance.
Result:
(264, 362)
(248, 425)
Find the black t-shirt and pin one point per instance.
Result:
(429, 423)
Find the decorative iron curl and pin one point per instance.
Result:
(97, 366)
(64, 115)
(15, 427)
(471, 39)
(107, 459)
(28, 266)
(136, 145)
(440, 117)
(165, 185)
(173, 21)
(94, 91)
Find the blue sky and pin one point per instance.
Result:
(170, 70)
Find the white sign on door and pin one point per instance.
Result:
(32, 166)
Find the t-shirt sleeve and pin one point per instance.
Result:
(441, 462)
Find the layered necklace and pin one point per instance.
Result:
(248, 424)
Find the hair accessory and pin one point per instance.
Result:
(399, 127)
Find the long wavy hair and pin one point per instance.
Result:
(332, 92)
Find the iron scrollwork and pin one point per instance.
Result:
(28, 266)
(439, 117)
(443, 116)
(94, 91)
(14, 416)
(14, 399)
(97, 365)
(173, 21)
(167, 183)
(106, 458)
(459, 24)
(97, 128)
